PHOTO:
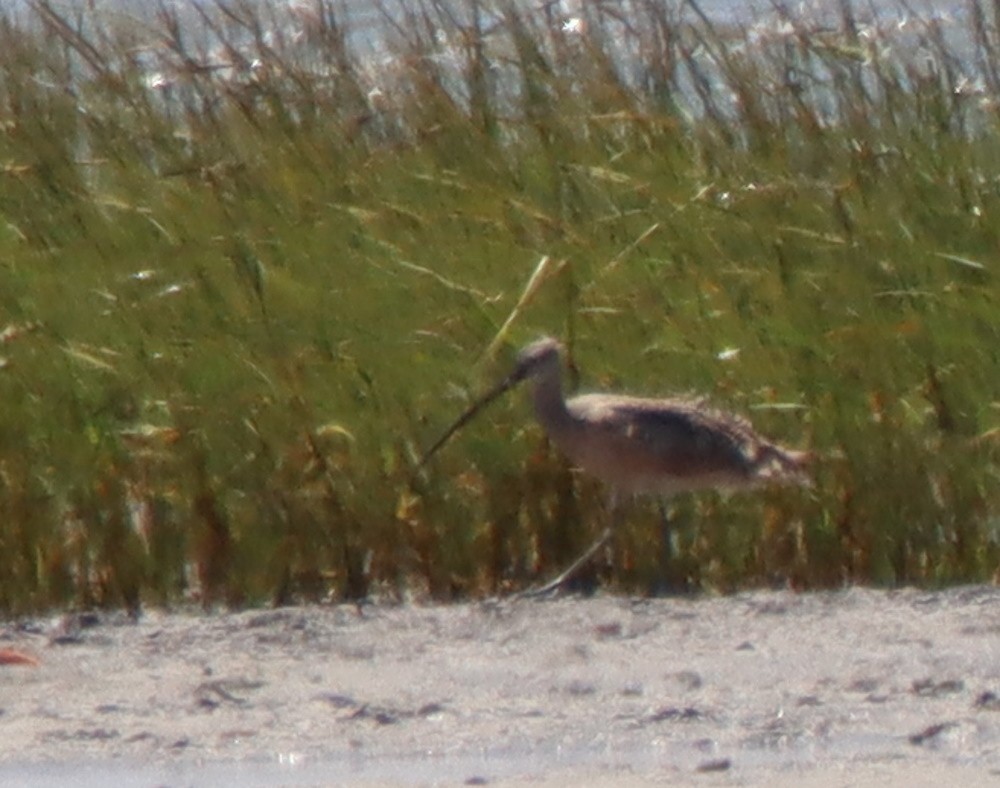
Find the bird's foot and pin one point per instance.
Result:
(555, 585)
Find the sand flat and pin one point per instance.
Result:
(852, 687)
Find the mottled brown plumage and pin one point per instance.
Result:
(642, 445)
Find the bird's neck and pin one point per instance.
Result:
(550, 405)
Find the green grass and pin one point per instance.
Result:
(236, 303)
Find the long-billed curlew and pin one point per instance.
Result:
(638, 445)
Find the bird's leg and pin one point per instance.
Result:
(666, 533)
(584, 559)
(668, 581)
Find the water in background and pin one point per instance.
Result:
(235, 51)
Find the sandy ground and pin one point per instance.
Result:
(855, 687)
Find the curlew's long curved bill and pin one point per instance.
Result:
(494, 393)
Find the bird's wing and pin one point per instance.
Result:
(683, 437)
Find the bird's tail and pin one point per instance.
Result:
(782, 465)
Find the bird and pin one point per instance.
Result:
(639, 445)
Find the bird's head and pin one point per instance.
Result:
(538, 358)
(534, 359)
